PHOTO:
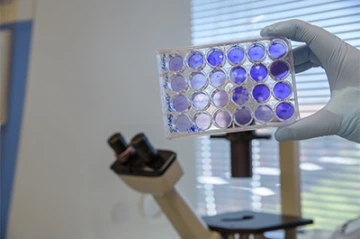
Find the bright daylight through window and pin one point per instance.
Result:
(330, 166)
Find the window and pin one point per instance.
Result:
(330, 166)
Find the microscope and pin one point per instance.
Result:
(155, 171)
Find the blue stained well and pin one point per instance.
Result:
(242, 116)
(220, 98)
(256, 52)
(263, 113)
(277, 49)
(279, 69)
(200, 100)
(282, 90)
(195, 60)
(222, 118)
(240, 95)
(203, 120)
(217, 78)
(284, 110)
(197, 80)
(261, 93)
(238, 75)
(236, 54)
(215, 57)
(258, 72)
(178, 83)
(183, 123)
(180, 103)
(175, 63)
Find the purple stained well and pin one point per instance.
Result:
(258, 72)
(176, 63)
(200, 100)
(236, 54)
(197, 80)
(238, 75)
(263, 113)
(277, 49)
(217, 78)
(178, 83)
(220, 98)
(180, 103)
(282, 90)
(240, 95)
(215, 57)
(261, 93)
(284, 110)
(202, 120)
(256, 52)
(183, 123)
(279, 69)
(222, 118)
(243, 116)
(195, 60)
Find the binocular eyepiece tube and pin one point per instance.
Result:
(139, 143)
(143, 147)
(118, 143)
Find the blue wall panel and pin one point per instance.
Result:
(10, 131)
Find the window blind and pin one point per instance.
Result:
(330, 166)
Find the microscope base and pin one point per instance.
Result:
(246, 223)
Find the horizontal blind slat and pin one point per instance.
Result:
(322, 8)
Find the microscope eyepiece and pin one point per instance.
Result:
(144, 148)
(117, 143)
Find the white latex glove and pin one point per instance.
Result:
(350, 230)
(341, 61)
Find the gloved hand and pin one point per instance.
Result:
(341, 61)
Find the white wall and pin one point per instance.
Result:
(92, 72)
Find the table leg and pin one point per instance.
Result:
(290, 233)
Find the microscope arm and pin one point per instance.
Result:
(182, 217)
(172, 203)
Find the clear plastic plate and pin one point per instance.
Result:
(227, 87)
